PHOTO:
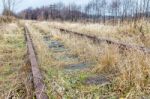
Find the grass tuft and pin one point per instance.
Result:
(108, 60)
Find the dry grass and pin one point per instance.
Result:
(15, 81)
(131, 67)
(7, 19)
(129, 70)
(134, 71)
(108, 60)
(41, 48)
(127, 33)
(57, 82)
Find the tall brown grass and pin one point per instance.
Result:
(129, 70)
(7, 19)
(128, 33)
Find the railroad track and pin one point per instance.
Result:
(38, 82)
(101, 40)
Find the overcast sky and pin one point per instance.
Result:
(38, 3)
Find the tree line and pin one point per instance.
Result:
(95, 10)
(57, 11)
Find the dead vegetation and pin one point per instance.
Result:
(7, 19)
(128, 70)
(112, 72)
(130, 33)
(15, 79)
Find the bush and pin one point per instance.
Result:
(7, 19)
(7, 12)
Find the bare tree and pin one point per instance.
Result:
(115, 6)
(104, 5)
(95, 10)
(88, 9)
(146, 5)
(127, 8)
(9, 6)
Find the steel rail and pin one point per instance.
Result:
(100, 40)
(38, 82)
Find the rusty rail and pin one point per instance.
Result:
(100, 40)
(38, 82)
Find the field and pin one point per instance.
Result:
(15, 72)
(74, 66)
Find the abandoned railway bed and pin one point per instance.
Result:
(57, 53)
